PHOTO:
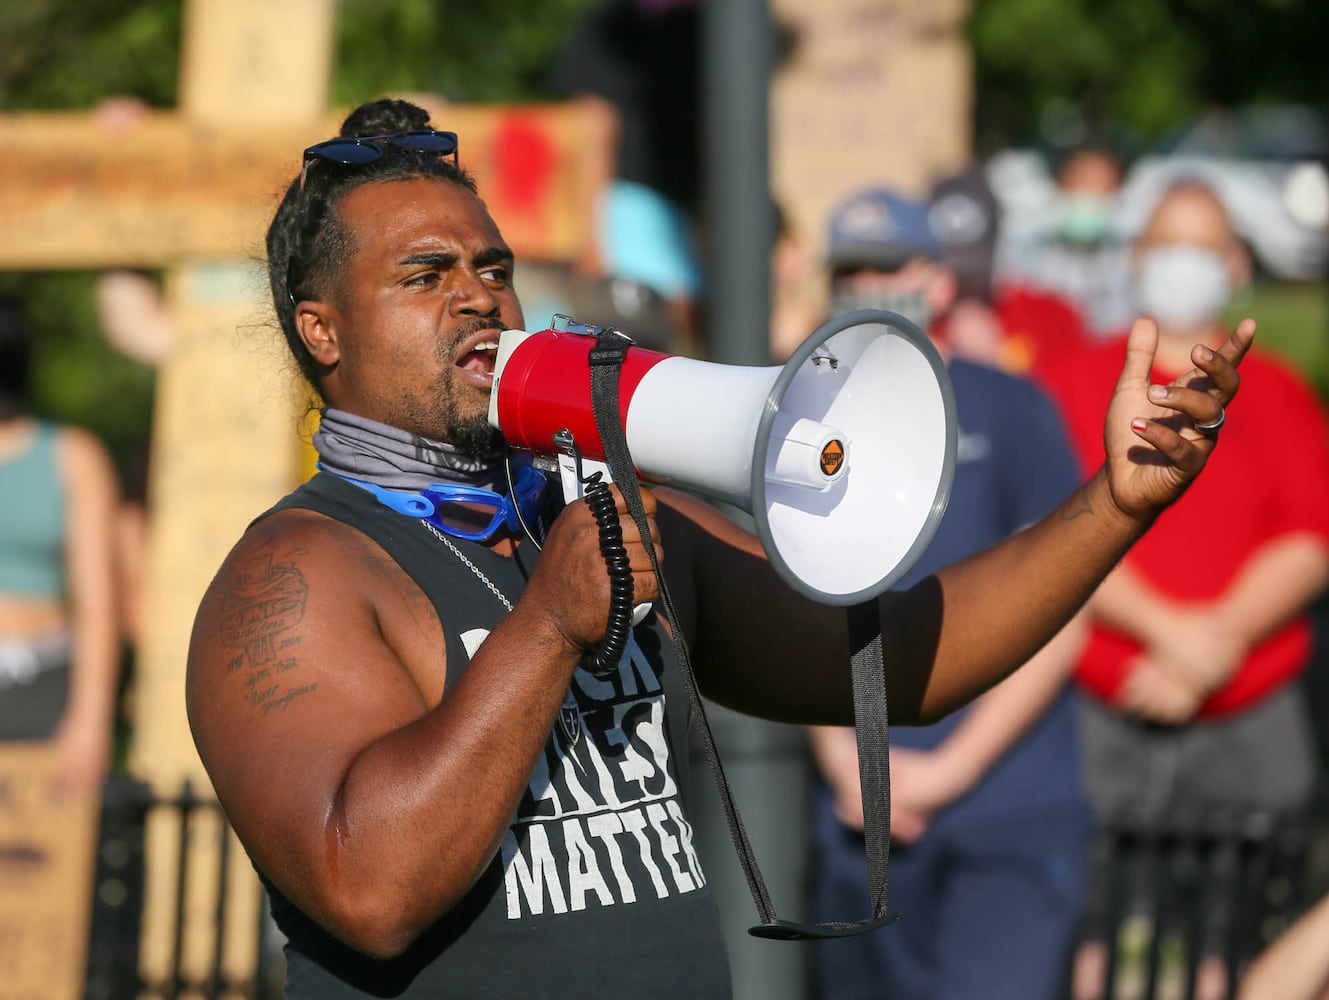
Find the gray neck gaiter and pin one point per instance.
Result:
(353, 446)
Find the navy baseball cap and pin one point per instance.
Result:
(965, 217)
(880, 228)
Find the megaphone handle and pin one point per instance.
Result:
(603, 660)
(570, 467)
(594, 489)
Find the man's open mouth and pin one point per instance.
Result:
(479, 359)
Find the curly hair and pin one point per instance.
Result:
(308, 245)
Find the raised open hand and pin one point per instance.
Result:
(1158, 438)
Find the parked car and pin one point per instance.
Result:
(1267, 163)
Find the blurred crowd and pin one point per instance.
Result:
(1177, 694)
(998, 813)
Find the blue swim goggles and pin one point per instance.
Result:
(467, 512)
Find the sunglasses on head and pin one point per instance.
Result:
(357, 151)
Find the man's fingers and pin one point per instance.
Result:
(647, 501)
(1181, 452)
(1239, 342)
(1200, 405)
(1217, 369)
(1141, 345)
(639, 561)
(632, 534)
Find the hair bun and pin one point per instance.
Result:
(384, 117)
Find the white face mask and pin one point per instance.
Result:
(1182, 287)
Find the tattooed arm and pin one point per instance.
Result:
(763, 650)
(315, 697)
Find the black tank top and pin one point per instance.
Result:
(596, 890)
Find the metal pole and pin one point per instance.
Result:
(766, 764)
(737, 50)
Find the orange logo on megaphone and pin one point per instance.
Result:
(832, 457)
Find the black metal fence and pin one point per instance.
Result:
(115, 969)
(1172, 895)
(1195, 890)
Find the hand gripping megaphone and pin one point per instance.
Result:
(844, 456)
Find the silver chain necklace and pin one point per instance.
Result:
(569, 716)
(468, 564)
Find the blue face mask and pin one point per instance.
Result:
(468, 512)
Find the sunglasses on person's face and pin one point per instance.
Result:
(366, 149)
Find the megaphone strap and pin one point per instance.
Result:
(874, 754)
(868, 682)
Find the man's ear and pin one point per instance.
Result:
(318, 324)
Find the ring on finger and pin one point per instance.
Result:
(1210, 429)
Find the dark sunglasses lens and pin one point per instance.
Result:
(428, 142)
(345, 151)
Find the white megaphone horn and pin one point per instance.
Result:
(844, 456)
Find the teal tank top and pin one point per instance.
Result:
(32, 520)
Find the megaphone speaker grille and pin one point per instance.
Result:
(878, 380)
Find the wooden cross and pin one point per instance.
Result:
(193, 191)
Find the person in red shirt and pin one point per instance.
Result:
(1193, 655)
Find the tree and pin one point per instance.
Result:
(1138, 67)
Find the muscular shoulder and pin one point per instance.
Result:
(294, 547)
(304, 603)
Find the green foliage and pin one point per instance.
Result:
(64, 54)
(1293, 319)
(77, 377)
(466, 51)
(1138, 67)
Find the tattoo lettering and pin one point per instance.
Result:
(280, 702)
(1078, 507)
(267, 599)
(266, 603)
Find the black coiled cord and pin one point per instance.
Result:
(603, 660)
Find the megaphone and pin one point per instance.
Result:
(844, 456)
